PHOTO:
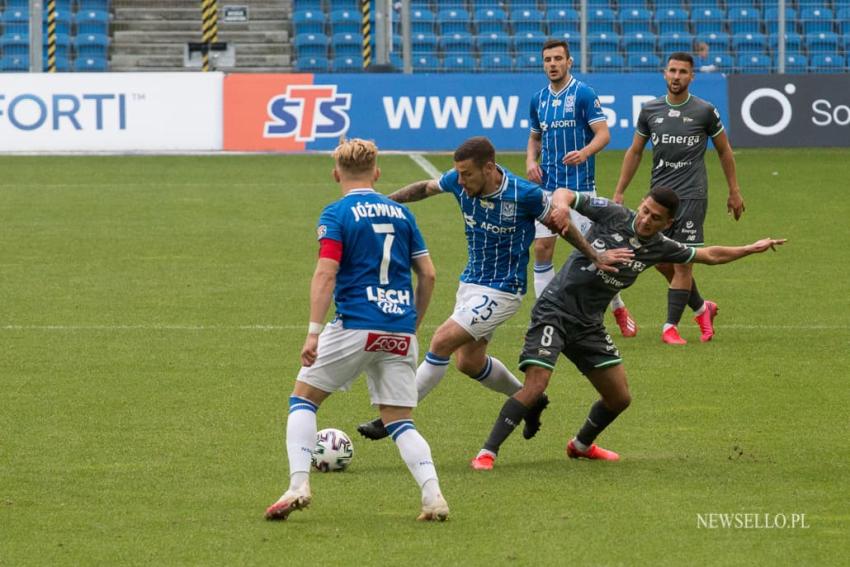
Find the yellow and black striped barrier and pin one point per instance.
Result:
(209, 29)
(366, 25)
(51, 36)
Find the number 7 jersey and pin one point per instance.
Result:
(379, 239)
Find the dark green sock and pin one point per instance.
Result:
(695, 301)
(509, 417)
(597, 420)
(676, 301)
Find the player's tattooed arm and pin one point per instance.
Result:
(416, 191)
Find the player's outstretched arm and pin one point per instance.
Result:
(726, 254)
(426, 279)
(321, 295)
(416, 191)
(631, 161)
(735, 203)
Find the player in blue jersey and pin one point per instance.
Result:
(368, 246)
(568, 128)
(499, 210)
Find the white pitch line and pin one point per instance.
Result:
(426, 165)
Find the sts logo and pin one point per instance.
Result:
(307, 112)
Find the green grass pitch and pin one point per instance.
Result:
(153, 309)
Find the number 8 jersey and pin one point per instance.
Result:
(379, 240)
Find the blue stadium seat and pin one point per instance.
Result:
(63, 44)
(695, 4)
(423, 43)
(639, 42)
(603, 42)
(453, 20)
(744, 20)
(17, 16)
(715, 41)
(312, 65)
(352, 5)
(813, 3)
(425, 63)
(63, 63)
(91, 45)
(17, 4)
(14, 63)
(635, 20)
(94, 5)
(646, 62)
(675, 41)
(843, 16)
(457, 43)
(823, 42)
(722, 62)
(490, 20)
(21, 28)
(707, 20)
(841, 4)
(794, 63)
(347, 64)
(497, 62)
(459, 63)
(815, 20)
(601, 20)
(346, 44)
(845, 43)
(312, 45)
(529, 42)
(793, 42)
(668, 4)
(63, 21)
(594, 4)
(741, 4)
(672, 20)
(771, 20)
(562, 20)
(92, 21)
(528, 61)
(493, 42)
(607, 62)
(827, 63)
(15, 44)
(749, 43)
(306, 21)
(422, 20)
(753, 63)
(634, 5)
(526, 19)
(91, 64)
(573, 39)
(345, 21)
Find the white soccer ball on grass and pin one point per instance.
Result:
(333, 451)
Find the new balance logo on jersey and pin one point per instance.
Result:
(389, 300)
(393, 344)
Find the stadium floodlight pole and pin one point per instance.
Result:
(782, 31)
(406, 44)
(36, 36)
(583, 34)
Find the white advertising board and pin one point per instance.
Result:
(70, 112)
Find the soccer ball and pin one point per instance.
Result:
(333, 451)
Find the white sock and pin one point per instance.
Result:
(430, 491)
(415, 452)
(580, 446)
(483, 452)
(498, 378)
(667, 326)
(617, 302)
(429, 373)
(543, 274)
(300, 440)
(701, 310)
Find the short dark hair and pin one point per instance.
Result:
(478, 149)
(681, 56)
(665, 197)
(553, 43)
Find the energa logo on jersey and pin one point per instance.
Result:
(308, 112)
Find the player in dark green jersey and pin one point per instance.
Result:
(679, 125)
(568, 317)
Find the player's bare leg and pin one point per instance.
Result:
(544, 271)
(613, 388)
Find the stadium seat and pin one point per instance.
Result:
(63, 44)
(794, 63)
(529, 42)
(528, 62)
(16, 16)
(638, 42)
(425, 63)
(845, 43)
(312, 64)
(457, 43)
(423, 43)
(422, 20)
(676, 41)
(601, 20)
(494, 42)
(311, 45)
(347, 64)
(793, 42)
(19, 4)
(526, 20)
(93, 21)
(453, 20)
(91, 45)
(635, 20)
(63, 22)
(669, 4)
(490, 20)
(563, 20)
(672, 20)
(573, 39)
(744, 20)
(715, 41)
(306, 21)
(63, 63)
(15, 45)
(91, 64)
(827, 63)
(607, 62)
(497, 62)
(20, 28)
(351, 5)
(843, 17)
(346, 45)
(771, 20)
(753, 63)
(14, 63)
(595, 4)
(722, 62)
(97, 5)
(634, 5)
(646, 62)
(603, 42)
(707, 20)
(459, 63)
(823, 42)
(740, 4)
(345, 21)
(749, 43)
(695, 4)
(816, 20)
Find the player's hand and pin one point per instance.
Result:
(765, 243)
(560, 217)
(735, 204)
(533, 172)
(310, 350)
(575, 157)
(618, 198)
(608, 259)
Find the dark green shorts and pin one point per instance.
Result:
(687, 226)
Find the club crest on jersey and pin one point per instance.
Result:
(569, 103)
(635, 243)
(508, 212)
(674, 113)
(393, 344)
(659, 120)
(321, 231)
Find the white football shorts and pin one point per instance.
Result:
(582, 222)
(387, 358)
(480, 309)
